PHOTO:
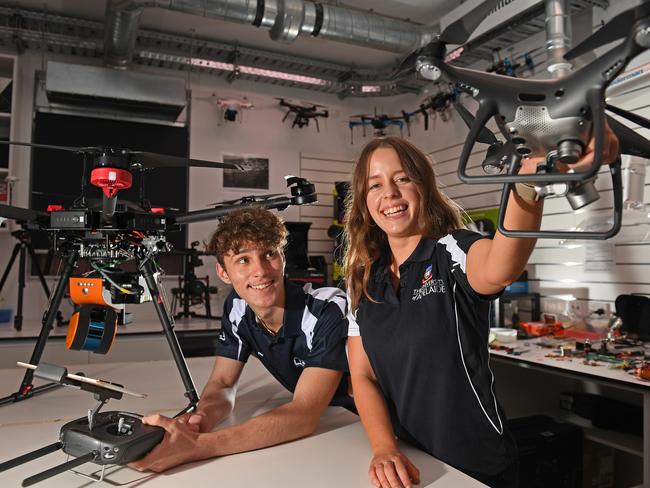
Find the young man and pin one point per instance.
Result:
(298, 334)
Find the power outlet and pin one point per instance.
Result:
(579, 309)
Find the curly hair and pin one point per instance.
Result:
(253, 225)
(364, 241)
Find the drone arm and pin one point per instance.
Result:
(218, 212)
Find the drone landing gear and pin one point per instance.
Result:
(24, 245)
(146, 267)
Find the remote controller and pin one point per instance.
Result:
(118, 437)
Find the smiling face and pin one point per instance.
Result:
(256, 274)
(393, 200)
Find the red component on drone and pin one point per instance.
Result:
(111, 180)
(157, 210)
(54, 208)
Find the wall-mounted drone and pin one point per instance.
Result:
(379, 123)
(553, 119)
(303, 113)
(232, 109)
(109, 236)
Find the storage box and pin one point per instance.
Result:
(5, 315)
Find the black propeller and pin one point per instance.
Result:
(137, 158)
(631, 141)
(617, 28)
(455, 33)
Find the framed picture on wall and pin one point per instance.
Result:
(255, 173)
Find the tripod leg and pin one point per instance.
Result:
(18, 318)
(147, 270)
(5, 275)
(41, 277)
(208, 308)
(26, 388)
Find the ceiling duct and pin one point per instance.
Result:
(138, 95)
(286, 19)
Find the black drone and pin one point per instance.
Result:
(554, 119)
(303, 113)
(379, 123)
(110, 236)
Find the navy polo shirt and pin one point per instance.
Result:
(428, 347)
(313, 334)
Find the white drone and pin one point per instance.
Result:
(231, 109)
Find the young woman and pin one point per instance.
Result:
(420, 289)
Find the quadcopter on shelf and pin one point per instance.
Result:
(438, 104)
(379, 123)
(109, 236)
(303, 113)
(553, 119)
(231, 109)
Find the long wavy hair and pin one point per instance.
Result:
(364, 241)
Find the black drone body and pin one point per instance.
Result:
(553, 119)
(303, 113)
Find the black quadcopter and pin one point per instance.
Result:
(109, 236)
(553, 119)
(303, 113)
(379, 123)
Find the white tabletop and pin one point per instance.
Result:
(336, 455)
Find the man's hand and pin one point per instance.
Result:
(179, 445)
(392, 469)
(198, 421)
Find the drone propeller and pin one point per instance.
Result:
(615, 29)
(455, 33)
(632, 117)
(142, 158)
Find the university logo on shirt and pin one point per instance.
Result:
(429, 285)
(427, 274)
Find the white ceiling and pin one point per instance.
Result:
(424, 11)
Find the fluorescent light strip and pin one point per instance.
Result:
(267, 73)
(370, 89)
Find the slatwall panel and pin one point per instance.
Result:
(323, 172)
(547, 272)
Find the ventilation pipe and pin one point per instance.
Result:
(286, 20)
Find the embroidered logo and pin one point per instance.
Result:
(428, 287)
(222, 336)
(427, 274)
(298, 363)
